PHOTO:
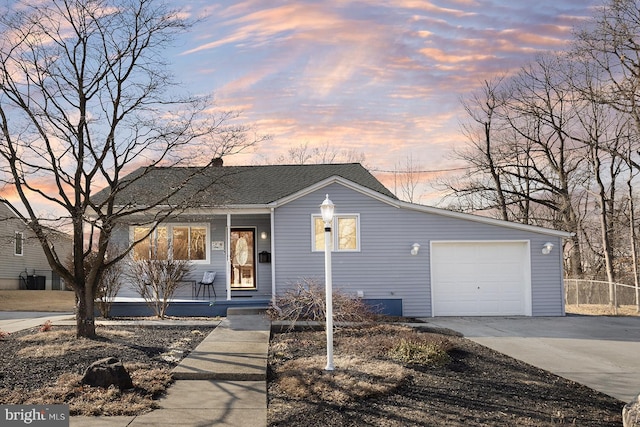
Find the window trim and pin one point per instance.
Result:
(169, 226)
(334, 235)
(19, 236)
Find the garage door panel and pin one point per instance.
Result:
(480, 278)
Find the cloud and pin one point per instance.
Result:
(385, 78)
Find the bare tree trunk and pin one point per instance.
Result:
(604, 232)
(502, 204)
(632, 235)
(85, 321)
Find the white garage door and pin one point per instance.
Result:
(480, 279)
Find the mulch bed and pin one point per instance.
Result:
(43, 367)
(478, 387)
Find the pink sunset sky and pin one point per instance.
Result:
(382, 78)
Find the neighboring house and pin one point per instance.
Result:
(23, 264)
(260, 229)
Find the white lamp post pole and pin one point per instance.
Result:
(327, 216)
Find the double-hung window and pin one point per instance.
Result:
(171, 241)
(345, 233)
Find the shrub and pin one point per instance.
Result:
(157, 280)
(108, 288)
(419, 353)
(305, 301)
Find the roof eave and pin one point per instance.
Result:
(487, 220)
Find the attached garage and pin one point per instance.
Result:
(480, 278)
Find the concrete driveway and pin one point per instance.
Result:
(602, 353)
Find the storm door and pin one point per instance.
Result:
(243, 266)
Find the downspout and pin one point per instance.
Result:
(273, 257)
(228, 261)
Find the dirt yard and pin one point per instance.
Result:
(23, 300)
(384, 375)
(45, 366)
(380, 380)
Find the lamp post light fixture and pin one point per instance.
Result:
(326, 208)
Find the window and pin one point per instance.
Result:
(19, 244)
(345, 233)
(171, 241)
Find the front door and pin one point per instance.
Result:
(243, 266)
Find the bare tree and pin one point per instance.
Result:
(612, 41)
(609, 45)
(554, 150)
(533, 164)
(304, 154)
(110, 284)
(407, 177)
(84, 98)
(156, 281)
(633, 234)
(482, 108)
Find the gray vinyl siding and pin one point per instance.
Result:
(384, 267)
(217, 258)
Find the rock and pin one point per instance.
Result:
(631, 413)
(107, 372)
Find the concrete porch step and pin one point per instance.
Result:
(260, 310)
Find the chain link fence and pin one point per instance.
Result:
(585, 291)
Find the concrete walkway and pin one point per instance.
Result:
(222, 382)
(598, 351)
(14, 321)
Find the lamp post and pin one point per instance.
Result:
(326, 208)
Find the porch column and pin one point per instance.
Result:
(228, 254)
(273, 257)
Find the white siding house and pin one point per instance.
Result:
(22, 260)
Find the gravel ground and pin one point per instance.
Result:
(478, 387)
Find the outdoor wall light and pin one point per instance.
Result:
(263, 235)
(415, 248)
(546, 248)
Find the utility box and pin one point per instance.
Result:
(36, 282)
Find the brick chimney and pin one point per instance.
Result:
(217, 162)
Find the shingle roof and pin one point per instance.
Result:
(235, 185)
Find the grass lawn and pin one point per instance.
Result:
(27, 300)
(601, 310)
